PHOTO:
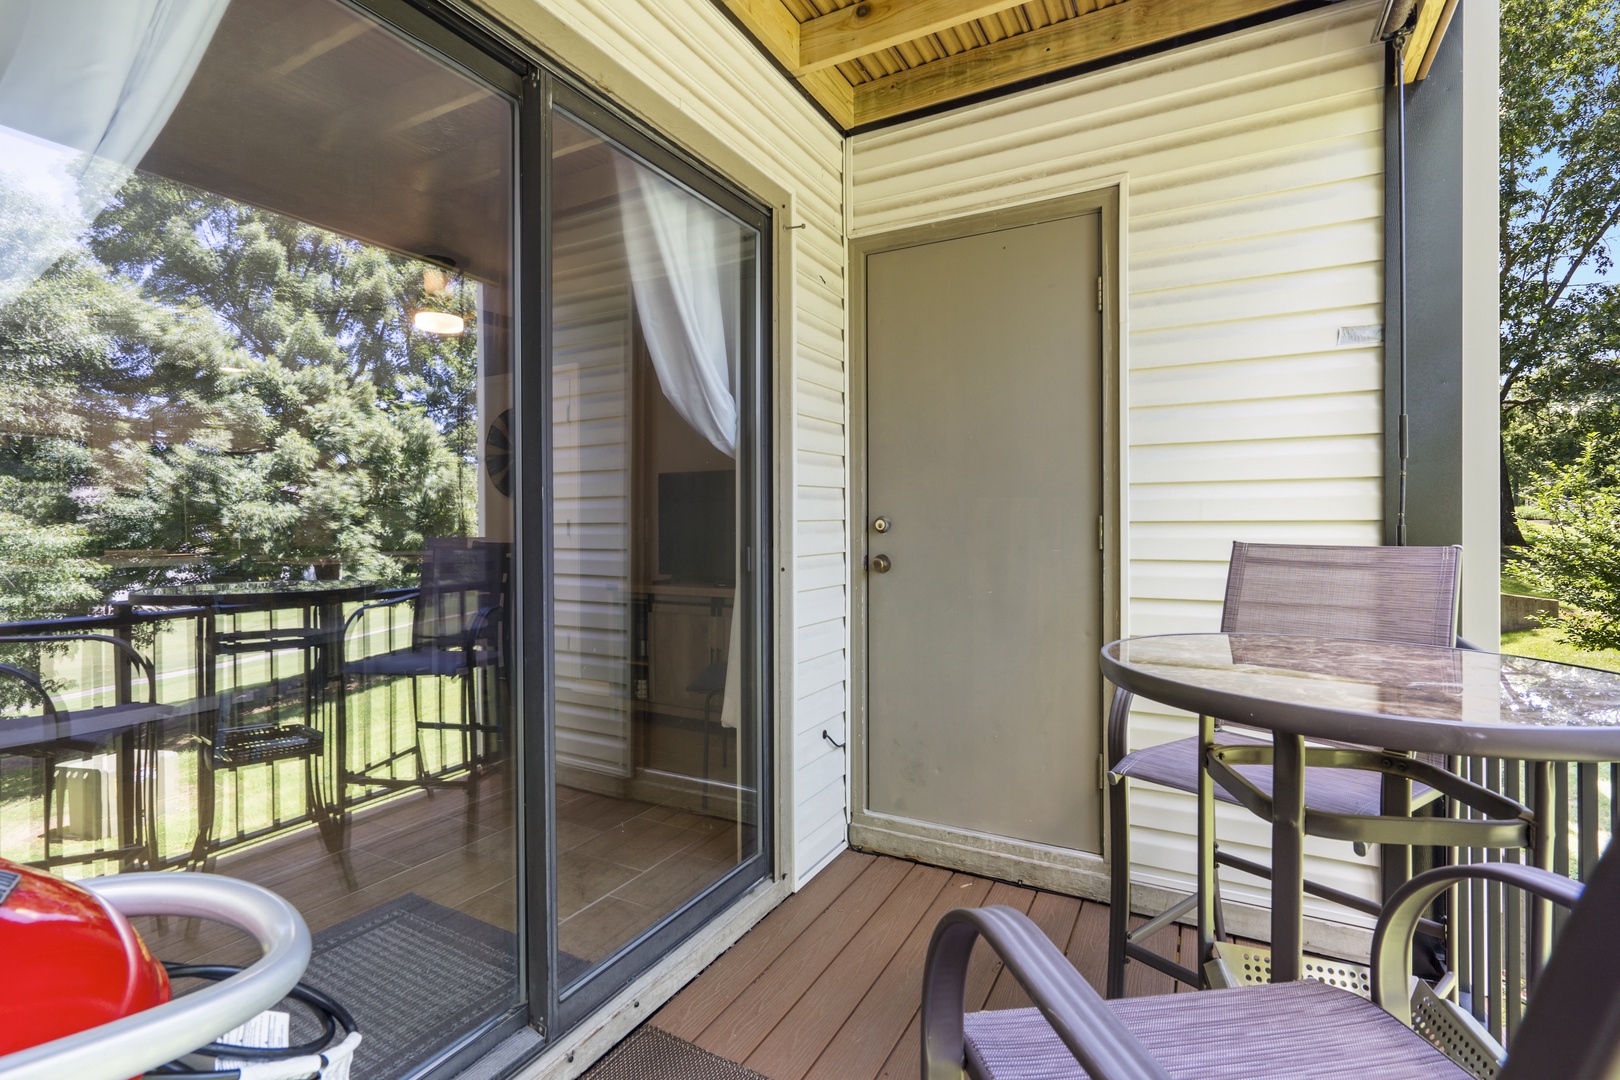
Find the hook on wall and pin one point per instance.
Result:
(829, 738)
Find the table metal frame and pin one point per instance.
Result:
(1291, 723)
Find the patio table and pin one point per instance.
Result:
(1401, 698)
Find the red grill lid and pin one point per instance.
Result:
(70, 961)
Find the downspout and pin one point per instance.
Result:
(1393, 29)
(1397, 50)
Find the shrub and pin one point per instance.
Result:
(1576, 555)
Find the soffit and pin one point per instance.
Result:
(873, 62)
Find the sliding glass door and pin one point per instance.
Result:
(256, 519)
(658, 602)
(383, 482)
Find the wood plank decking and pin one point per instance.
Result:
(829, 985)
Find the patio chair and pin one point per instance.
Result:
(458, 623)
(1401, 594)
(56, 732)
(1289, 1030)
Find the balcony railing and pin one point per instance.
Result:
(201, 801)
(1491, 942)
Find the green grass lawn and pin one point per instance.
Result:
(1512, 582)
(1546, 644)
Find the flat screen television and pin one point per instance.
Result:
(697, 527)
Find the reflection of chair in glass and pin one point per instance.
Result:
(1397, 594)
(246, 727)
(711, 683)
(457, 631)
(243, 730)
(57, 732)
(1291, 1029)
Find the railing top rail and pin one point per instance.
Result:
(111, 619)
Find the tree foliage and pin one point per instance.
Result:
(1576, 556)
(1560, 207)
(204, 379)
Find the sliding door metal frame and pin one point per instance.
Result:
(447, 37)
(754, 581)
(458, 35)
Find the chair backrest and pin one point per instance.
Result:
(461, 578)
(1405, 594)
(1572, 1028)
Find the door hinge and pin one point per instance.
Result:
(1100, 533)
(1099, 292)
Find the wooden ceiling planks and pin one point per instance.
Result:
(870, 62)
(1013, 58)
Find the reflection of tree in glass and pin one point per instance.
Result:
(205, 379)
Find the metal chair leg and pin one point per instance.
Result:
(1208, 873)
(1119, 873)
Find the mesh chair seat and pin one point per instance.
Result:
(422, 662)
(1290, 1031)
(1328, 791)
(80, 727)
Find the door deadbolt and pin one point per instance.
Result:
(881, 564)
(880, 525)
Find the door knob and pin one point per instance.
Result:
(880, 524)
(881, 564)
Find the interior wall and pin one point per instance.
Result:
(695, 78)
(1251, 177)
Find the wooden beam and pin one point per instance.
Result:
(1120, 28)
(1432, 22)
(771, 24)
(833, 93)
(873, 25)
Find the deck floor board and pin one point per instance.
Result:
(829, 985)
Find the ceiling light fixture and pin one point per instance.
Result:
(439, 322)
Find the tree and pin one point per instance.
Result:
(200, 377)
(1560, 205)
(1576, 557)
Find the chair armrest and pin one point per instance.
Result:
(1119, 719)
(1085, 1023)
(117, 643)
(32, 681)
(1392, 941)
(483, 619)
(363, 608)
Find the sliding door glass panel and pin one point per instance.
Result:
(255, 428)
(653, 338)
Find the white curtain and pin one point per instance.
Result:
(684, 269)
(85, 88)
(686, 274)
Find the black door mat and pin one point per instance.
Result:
(652, 1053)
(418, 977)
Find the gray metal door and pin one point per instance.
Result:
(984, 397)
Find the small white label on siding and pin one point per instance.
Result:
(1362, 335)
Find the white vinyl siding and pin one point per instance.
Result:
(687, 53)
(590, 432)
(1251, 178)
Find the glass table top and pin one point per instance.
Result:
(1410, 697)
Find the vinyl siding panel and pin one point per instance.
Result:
(686, 53)
(1251, 177)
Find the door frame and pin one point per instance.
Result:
(1044, 866)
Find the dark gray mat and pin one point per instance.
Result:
(417, 976)
(654, 1054)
